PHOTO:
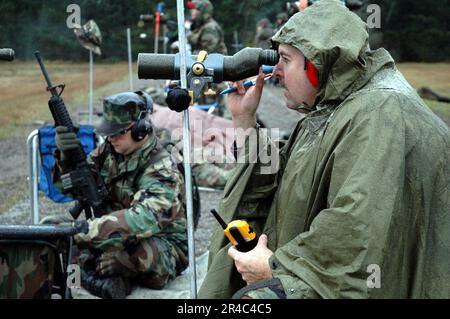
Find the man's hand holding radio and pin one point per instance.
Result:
(253, 265)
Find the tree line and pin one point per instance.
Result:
(412, 30)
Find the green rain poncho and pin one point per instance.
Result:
(363, 188)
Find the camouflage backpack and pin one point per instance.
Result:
(31, 269)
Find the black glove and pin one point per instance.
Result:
(65, 140)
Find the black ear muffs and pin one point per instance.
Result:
(142, 126)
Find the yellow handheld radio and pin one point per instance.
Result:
(239, 232)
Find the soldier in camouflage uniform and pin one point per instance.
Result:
(264, 33)
(282, 18)
(142, 236)
(206, 34)
(207, 173)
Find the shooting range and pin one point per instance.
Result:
(145, 197)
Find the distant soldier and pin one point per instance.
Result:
(213, 133)
(142, 235)
(281, 20)
(206, 33)
(264, 33)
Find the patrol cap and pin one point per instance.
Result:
(204, 6)
(121, 109)
(89, 36)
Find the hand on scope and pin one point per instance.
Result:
(244, 103)
(65, 140)
(253, 265)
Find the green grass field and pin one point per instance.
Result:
(433, 75)
(23, 95)
(23, 98)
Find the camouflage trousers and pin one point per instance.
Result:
(267, 289)
(151, 263)
(213, 175)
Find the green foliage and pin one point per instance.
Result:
(244, 15)
(29, 25)
(416, 30)
(413, 30)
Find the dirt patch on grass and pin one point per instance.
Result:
(434, 75)
(14, 189)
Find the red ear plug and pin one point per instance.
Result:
(312, 74)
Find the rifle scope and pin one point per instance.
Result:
(6, 54)
(243, 64)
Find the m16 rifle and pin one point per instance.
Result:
(83, 180)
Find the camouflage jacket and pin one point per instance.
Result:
(209, 37)
(146, 199)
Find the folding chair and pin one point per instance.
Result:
(34, 258)
(41, 146)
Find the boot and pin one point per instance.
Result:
(116, 287)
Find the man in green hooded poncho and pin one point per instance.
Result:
(359, 204)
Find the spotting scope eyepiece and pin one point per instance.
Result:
(243, 64)
(6, 54)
